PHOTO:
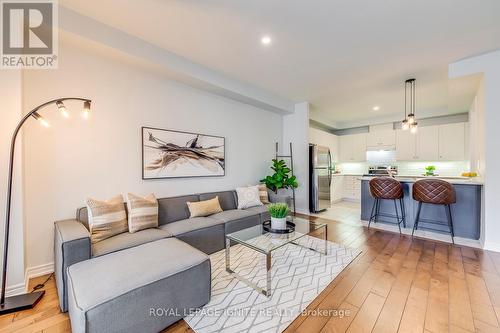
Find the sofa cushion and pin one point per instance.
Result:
(250, 220)
(227, 199)
(82, 215)
(127, 240)
(187, 225)
(204, 208)
(208, 240)
(262, 210)
(114, 293)
(232, 215)
(174, 209)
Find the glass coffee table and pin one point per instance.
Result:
(257, 239)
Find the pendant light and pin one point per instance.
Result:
(410, 121)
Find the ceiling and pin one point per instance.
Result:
(344, 57)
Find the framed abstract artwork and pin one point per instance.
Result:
(175, 154)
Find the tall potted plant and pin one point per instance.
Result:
(281, 179)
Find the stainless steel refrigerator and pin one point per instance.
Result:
(320, 178)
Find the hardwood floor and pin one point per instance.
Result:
(396, 285)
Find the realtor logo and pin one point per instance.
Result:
(29, 34)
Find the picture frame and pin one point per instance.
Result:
(179, 154)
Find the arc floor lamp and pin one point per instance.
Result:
(29, 300)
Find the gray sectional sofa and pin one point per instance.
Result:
(76, 257)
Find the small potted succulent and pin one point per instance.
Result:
(429, 170)
(278, 212)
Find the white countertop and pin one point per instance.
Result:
(452, 180)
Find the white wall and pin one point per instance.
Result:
(11, 87)
(101, 157)
(323, 138)
(489, 65)
(476, 131)
(296, 131)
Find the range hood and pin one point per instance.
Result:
(381, 148)
(381, 138)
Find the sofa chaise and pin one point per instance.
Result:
(204, 235)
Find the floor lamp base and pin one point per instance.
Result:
(21, 302)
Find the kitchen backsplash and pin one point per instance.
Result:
(409, 168)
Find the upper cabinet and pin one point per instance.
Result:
(452, 142)
(384, 139)
(406, 146)
(427, 143)
(353, 148)
(432, 143)
(323, 138)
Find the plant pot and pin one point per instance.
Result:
(278, 223)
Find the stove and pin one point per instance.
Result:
(382, 171)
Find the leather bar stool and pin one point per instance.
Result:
(435, 192)
(386, 188)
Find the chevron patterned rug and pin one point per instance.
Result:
(298, 276)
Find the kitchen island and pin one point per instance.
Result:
(466, 212)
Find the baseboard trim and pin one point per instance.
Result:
(16, 289)
(351, 200)
(39, 270)
(31, 272)
(492, 246)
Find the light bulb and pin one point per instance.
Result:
(411, 118)
(404, 125)
(62, 109)
(86, 109)
(44, 122)
(39, 118)
(266, 40)
(414, 128)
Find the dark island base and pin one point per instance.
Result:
(466, 212)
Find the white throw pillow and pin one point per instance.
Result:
(248, 197)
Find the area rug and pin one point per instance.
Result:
(298, 276)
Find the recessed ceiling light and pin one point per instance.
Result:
(266, 40)
(376, 108)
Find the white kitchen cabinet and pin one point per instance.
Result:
(351, 188)
(337, 188)
(385, 139)
(427, 148)
(406, 145)
(353, 148)
(452, 142)
(421, 146)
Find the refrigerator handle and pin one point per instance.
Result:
(329, 169)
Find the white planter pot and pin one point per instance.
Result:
(278, 223)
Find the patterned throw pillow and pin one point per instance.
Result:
(142, 212)
(248, 197)
(264, 196)
(204, 208)
(106, 218)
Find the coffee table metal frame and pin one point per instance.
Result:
(268, 254)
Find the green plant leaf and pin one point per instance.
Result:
(278, 210)
(281, 178)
